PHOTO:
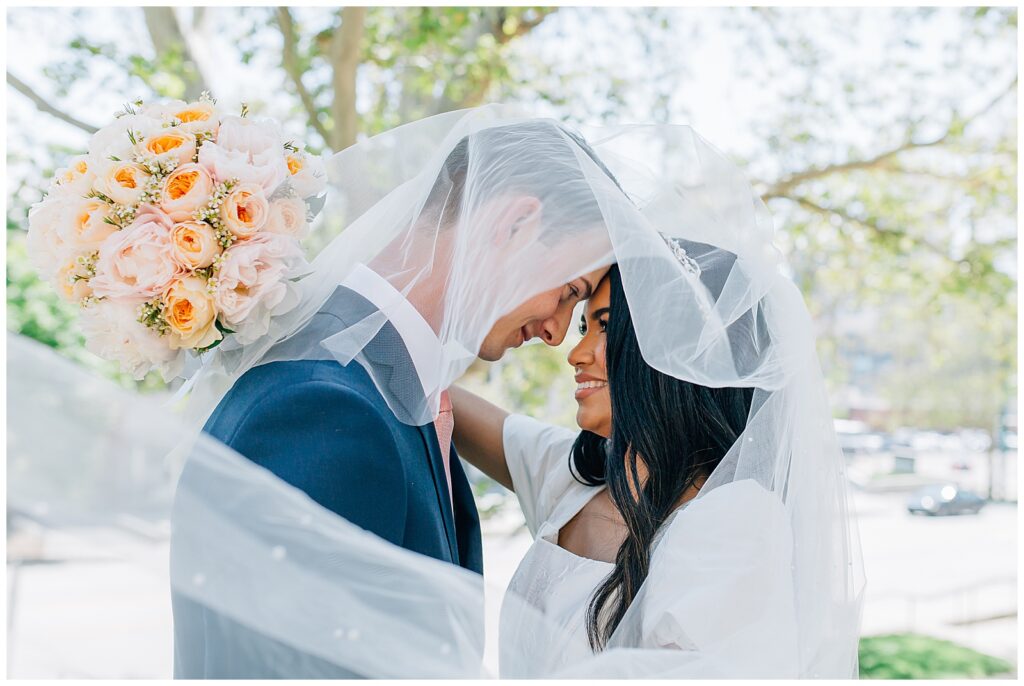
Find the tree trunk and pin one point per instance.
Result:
(166, 34)
(344, 51)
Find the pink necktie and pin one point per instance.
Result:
(445, 424)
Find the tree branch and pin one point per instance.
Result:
(290, 61)
(808, 204)
(44, 106)
(345, 50)
(781, 188)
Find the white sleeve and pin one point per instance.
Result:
(538, 460)
(721, 582)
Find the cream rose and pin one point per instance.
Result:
(185, 190)
(249, 150)
(113, 139)
(253, 285)
(169, 144)
(245, 210)
(138, 262)
(46, 247)
(113, 332)
(288, 217)
(83, 225)
(307, 174)
(122, 182)
(194, 245)
(191, 314)
(71, 282)
(76, 178)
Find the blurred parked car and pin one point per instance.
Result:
(946, 499)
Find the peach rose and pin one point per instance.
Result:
(197, 117)
(122, 182)
(191, 314)
(169, 144)
(288, 217)
(245, 210)
(194, 245)
(185, 190)
(83, 225)
(138, 262)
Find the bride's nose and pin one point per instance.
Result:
(581, 355)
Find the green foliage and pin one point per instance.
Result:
(911, 656)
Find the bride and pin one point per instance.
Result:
(613, 509)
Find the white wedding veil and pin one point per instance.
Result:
(470, 214)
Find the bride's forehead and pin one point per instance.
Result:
(601, 296)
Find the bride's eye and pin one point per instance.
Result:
(604, 324)
(583, 327)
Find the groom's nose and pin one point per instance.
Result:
(554, 328)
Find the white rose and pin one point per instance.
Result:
(249, 150)
(288, 217)
(307, 174)
(113, 332)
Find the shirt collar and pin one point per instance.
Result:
(420, 340)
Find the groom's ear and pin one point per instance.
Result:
(517, 222)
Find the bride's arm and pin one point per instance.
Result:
(478, 434)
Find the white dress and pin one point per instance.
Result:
(718, 588)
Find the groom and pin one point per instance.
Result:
(347, 434)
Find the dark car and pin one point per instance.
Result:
(946, 499)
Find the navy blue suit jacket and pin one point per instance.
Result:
(326, 429)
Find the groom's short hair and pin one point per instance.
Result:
(538, 158)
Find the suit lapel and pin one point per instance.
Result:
(393, 366)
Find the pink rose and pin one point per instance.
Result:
(288, 217)
(253, 286)
(138, 262)
(249, 150)
(245, 210)
(185, 190)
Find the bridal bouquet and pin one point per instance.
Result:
(179, 227)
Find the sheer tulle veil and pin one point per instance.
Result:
(709, 301)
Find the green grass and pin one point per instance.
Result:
(911, 656)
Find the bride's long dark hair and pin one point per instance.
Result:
(680, 430)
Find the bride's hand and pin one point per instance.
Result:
(478, 434)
